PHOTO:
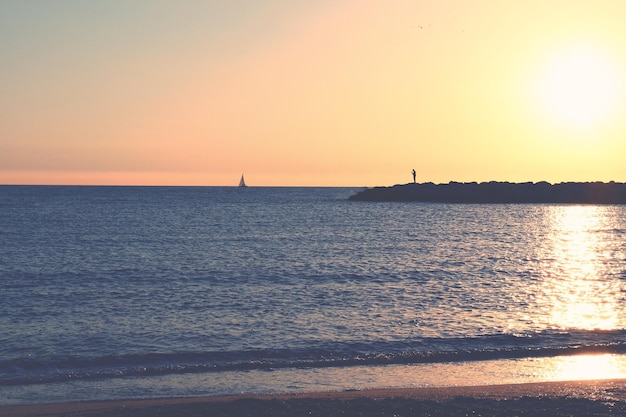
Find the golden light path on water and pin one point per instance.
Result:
(579, 289)
(581, 367)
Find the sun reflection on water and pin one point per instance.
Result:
(580, 367)
(579, 289)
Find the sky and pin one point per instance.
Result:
(311, 92)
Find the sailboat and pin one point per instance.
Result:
(242, 183)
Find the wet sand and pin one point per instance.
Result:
(576, 398)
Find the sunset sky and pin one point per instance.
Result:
(311, 92)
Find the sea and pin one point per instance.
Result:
(149, 292)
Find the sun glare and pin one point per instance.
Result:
(578, 291)
(581, 367)
(579, 87)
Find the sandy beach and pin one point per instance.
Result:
(575, 398)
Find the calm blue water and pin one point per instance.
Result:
(111, 292)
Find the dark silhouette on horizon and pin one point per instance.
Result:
(414, 174)
(500, 192)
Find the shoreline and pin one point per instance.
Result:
(583, 397)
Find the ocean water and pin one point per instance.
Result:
(126, 292)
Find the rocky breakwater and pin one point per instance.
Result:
(500, 192)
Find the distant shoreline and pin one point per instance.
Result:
(494, 192)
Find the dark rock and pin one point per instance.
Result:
(500, 192)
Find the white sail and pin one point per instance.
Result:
(242, 183)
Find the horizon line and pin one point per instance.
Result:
(304, 186)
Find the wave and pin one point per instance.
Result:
(28, 370)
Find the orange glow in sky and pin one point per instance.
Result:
(330, 93)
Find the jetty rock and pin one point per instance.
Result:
(495, 192)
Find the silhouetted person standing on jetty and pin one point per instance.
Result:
(414, 173)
